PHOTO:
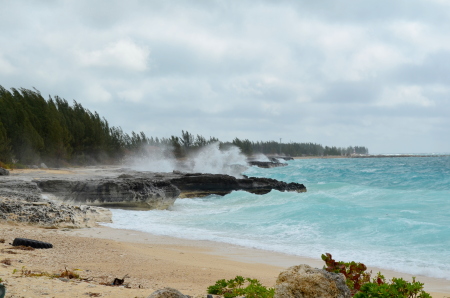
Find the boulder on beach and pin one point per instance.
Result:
(167, 293)
(303, 281)
(4, 172)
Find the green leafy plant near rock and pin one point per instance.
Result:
(360, 285)
(398, 288)
(240, 286)
(355, 273)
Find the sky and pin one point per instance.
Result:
(338, 73)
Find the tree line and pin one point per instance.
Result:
(34, 130)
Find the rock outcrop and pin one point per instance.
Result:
(132, 192)
(4, 172)
(145, 190)
(200, 185)
(21, 201)
(52, 214)
(267, 164)
(118, 188)
(303, 281)
(167, 293)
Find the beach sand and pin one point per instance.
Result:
(151, 262)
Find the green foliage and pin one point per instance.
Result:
(34, 130)
(360, 285)
(355, 273)
(240, 286)
(397, 288)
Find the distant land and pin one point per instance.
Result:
(34, 130)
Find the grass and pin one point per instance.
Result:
(69, 274)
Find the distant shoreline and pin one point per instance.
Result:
(370, 156)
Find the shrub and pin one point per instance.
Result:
(397, 288)
(355, 273)
(240, 286)
(358, 281)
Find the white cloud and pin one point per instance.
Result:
(6, 68)
(123, 54)
(253, 69)
(404, 95)
(133, 95)
(97, 93)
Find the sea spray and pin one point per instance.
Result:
(386, 212)
(153, 159)
(211, 159)
(208, 159)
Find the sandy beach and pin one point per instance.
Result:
(151, 262)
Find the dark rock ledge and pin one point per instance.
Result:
(143, 190)
(77, 200)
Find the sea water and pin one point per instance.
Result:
(391, 213)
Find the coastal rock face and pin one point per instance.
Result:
(167, 293)
(4, 172)
(303, 281)
(125, 192)
(199, 185)
(52, 214)
(21, 201)
(156, 190)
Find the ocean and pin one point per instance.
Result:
(391, 213)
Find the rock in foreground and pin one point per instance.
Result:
(21, 201)
(167, 293)
(303, 281)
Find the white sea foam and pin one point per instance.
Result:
(360, 216)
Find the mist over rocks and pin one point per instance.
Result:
(125, 192)
(208, 159)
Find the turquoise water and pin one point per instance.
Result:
(391, 213)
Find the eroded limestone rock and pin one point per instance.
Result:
(21, 201)
(113, 192)
(303, 281)
(167, 293)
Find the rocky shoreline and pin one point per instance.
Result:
(79, 197)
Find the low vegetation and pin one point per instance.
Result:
(358, 279)
(69, 274)
(361, 286)
(240, 286)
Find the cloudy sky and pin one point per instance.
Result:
(334, 72)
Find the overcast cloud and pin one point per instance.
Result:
(340, 72)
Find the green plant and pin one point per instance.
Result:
(240, 286)
(355, 273)
(397, 288)
(358, 281)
